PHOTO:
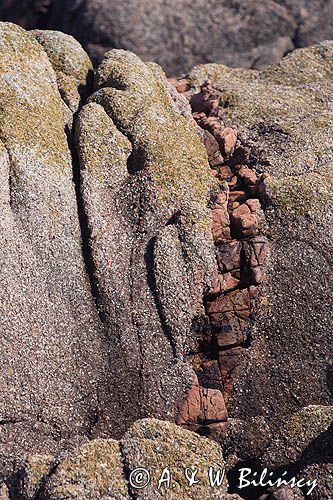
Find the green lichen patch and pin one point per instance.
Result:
(135, 98)
(156, 445)
(94, 471)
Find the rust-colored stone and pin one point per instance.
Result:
(247, 176)
(229, 362)
(245, 223)
(228, 138)
(237, 196)
(202, 406)
(228, 255)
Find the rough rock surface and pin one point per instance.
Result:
(250, 33)
(116, 342)
(155, 445)
(284, 122)
(105, 469)
(145, 190)
(296, 434)
(154, 285)
(52, 346)
(71, 65)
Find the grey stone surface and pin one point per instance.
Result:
(52, 348)
(145, 189)
(179, 35)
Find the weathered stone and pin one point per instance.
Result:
(155, 445)
(283, 493)
(4, 492)
(228, 255)
(34, 472)
(70, 63)
(202, 406)
(244, 222)
(246, 439)
(53, 352)
(323, 474)
(247, 176)
(93, 472)
(145, 187)
(285, 129)
(297, 433)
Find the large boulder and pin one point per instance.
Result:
(177, 36)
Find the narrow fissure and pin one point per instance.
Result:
(241, 246)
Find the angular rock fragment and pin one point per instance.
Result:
(203, 406)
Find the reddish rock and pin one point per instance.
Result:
(256, 251)
(209, 374)
(202, 406)
(247, 176)
(220, 226)
(244, 222)
(218, 285)
(233, 181)
(181, 84)
(229, 363)
(228, 138)
(230, 282)
(228, 316)
(234, 205)
(237, 302)
(206, 101)
(213, 150)
(232, 330)
(228, 255)
(225, 172)
(253, 204)
(220, 216)
(237, 196)
(223, 197)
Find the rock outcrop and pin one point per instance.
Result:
(165, 253)
(54, 367)
(284, 125)
(102, 278)
(158, 455)
(249, 33)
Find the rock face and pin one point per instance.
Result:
(102, 282)
(145, 189)
(284, 124)
(250, 33)
(165, 253)
(52, 347)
